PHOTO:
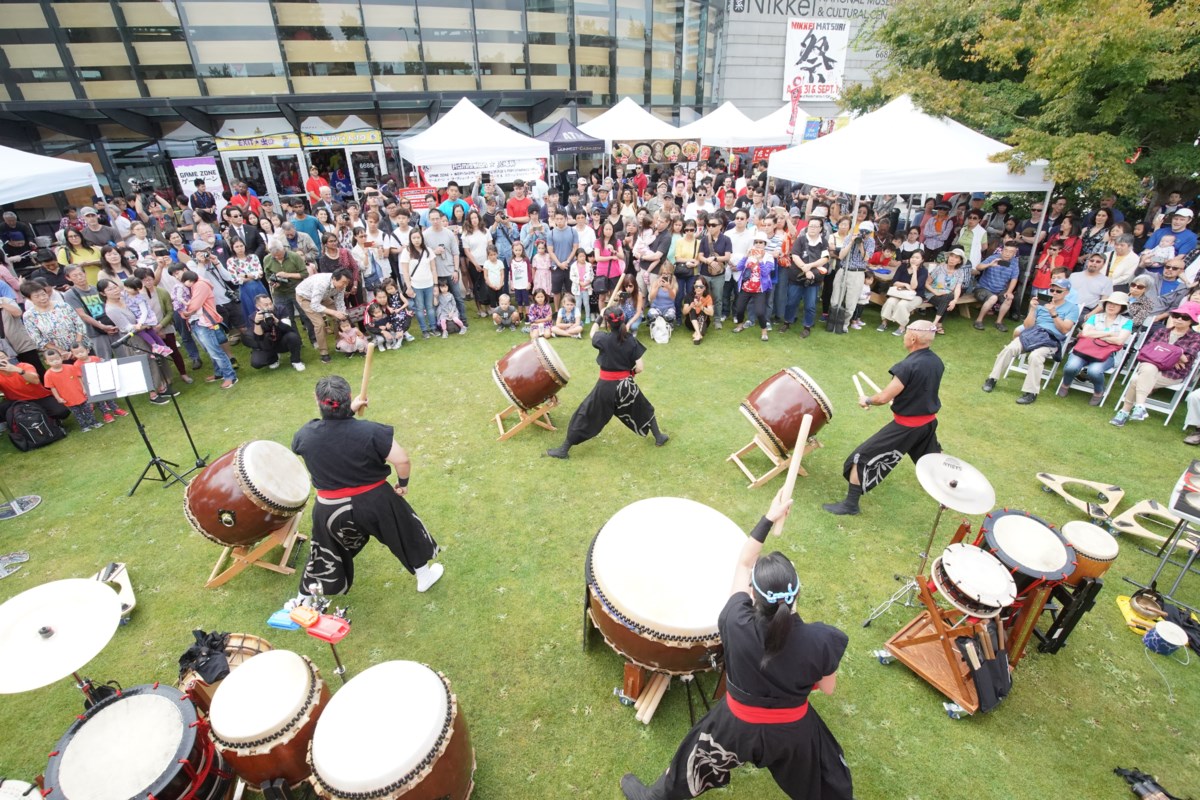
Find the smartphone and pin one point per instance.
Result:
(486, 177)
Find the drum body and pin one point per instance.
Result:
(973, 581)
(658, 574)
(1095, 550)
(245, 494)
(777, 407)
(145, 742)
(530, 374)
(263, 716)
(238, 648)
(393, 730)
(1029, 547)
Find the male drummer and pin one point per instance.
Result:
(349, 462)
(913, 393)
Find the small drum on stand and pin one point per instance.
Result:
(529, 376)
(658, 574)
(394, 730)
(973, 581)
(238, 648)
(1095, 550)
(1029, 547)
(775, 409)
(263, 716)
(145, 742)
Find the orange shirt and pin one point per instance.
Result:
(68, 382)
(15, 387)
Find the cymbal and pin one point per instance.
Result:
(955, 484)
(52, 630)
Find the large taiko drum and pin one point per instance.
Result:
(394, 730)
(145, 742)
(973, 581)
(530, 374)
(658, 574)
(1095, 550)
(239, 648)
(247, 493)
(1029, 547)
(778, 405)
(263, 716)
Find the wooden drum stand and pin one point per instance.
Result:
(539, 416)
(254, 555)
(780, 462)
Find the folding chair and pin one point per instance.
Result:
(1021, 363)
(1178, 391)
(1139, 338)
(1082, 384)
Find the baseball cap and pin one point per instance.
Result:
(87, 210)
(979, 195)
(1184, 212)
(200, 244)
(958, 251)
(796, 212)
(1061, 283)
(866, 227)
(760, 237)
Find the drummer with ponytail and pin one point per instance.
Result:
(773, 660)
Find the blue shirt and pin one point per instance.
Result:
(1068, 311)
(310, 226)
(996, 278)
(562, 242)
(1185, 240)
(447, 208)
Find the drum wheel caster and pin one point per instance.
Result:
(1047, 489)
(1102, 497)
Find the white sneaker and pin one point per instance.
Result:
(408, 337)
(296, 365)
(428, 575)
(274, 364)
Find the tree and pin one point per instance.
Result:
(1080, 84)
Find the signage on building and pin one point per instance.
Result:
(343, 139)
(820, 9)
(204, 168)
(466, 172)
(274, 142)
(657, 152)
(814, 59)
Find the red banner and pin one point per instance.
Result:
(763, 153)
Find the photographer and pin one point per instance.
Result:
(848, 283)
(273, 335)
(285, 269)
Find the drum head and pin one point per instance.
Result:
(380, 726)
(667, 563)
(260, 697)
(1029, 544)
(1171, 633)
(12, 789)
(553, 362)
(276, 472)
(979, 575)
(1091, 540)
(124, 747)
(814, 389)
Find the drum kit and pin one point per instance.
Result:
(775, 409)
(249, 501)
(529, 376)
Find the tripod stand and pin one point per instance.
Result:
(908, 592)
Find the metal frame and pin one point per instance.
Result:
(1179, 390)
(1021, 363)
(1113, 373)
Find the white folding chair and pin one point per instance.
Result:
(1178, 391)
(1082, 384)
(1021, 363)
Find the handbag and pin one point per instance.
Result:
(901, 294)
(1160, 354)
(1094, 348)
(1038, 337)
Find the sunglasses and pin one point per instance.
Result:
(1038, 208)
(714, 224)
(1058, 291)
(1181, 316)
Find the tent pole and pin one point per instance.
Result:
(1034, 250)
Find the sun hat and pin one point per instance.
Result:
(1120, 298)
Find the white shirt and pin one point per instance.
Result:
(519, 274)
(587, 238)
(740, 246)
(419, 276)
(689, 213)
(318, 290)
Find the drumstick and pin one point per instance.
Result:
(647, 691)
(858, 387)
(366, 378)
(647, 712)
(789, 485)
(867, 380)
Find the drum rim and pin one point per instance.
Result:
(253, 493)
(284, 733)
(422, 767)
(500, 382)
(1077, 524)
(814, 389)
(965, 547)
(763, 429)
(1009, 561)
(551, 361)
(187, 742)
(955, 597)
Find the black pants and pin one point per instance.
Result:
(294, 310)
(264, 352)
(622, 399)
(939, 303)
(757, 301)
(879, 455)
(52, 407)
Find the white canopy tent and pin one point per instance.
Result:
(726, 126)
(464, 134)
(24, 175)
(776, 123)
(628, 121)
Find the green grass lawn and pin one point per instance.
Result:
(505, 623)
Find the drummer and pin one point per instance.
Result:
(773, 661)
(615, 393)
(349, 462)
(913, 393)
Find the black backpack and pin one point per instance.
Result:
(29, 427)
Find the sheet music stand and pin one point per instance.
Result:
(126, 377)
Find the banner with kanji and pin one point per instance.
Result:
(814, 59)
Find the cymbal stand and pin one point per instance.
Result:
(908, 592)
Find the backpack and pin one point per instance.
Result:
(30, 428)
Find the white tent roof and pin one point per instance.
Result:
(726, 126)
(628, 121)
(24, 175)
(465, 133)
(777, 121)
(900, 149)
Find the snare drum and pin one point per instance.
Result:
(263, 716)
(777, 407)
(1095, 550)
(238, 648)
(145, 742)
(658, 574)
(247, 493)
(11, 789)
(973, 581)
(530, 374)
(393, 730)
(1029, 547)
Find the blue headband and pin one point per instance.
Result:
(788, 597)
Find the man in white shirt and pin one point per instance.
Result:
(321, 294)
(741, 237)
(587, 236)
(699, 203)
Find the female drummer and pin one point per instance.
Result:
(350, 460)
(616, 393)
(773, 660)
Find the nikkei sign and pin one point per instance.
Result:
(814, 59)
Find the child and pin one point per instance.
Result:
(380, 328)
(402, 315)
(1051, 259)
(910, 245)
(541, 314)
(519, 276)
(447, 310)
(505, 315)
(566, 322)
(350, 340)
(541, 268)
(864, 298)
(139, 304)
(1154, 259)
(581, 282)
(108, 408)
(493, 276)
(66, 384)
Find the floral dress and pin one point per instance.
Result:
(541, 273)
(247, 274)
(59, 327)
(540, 316)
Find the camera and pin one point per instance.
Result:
(141, 185)
(622, 295)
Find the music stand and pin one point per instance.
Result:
(201, 461)
(126, 377)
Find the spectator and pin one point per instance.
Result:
(19, 382)
(1055, 319)
(997, 221)
(49, 322)
(756, 274)
(247, 274)
(1141, 300)
(71, 221)
(1170, 289)
(314, 184)
(906, 293)
(93, 232)
(12, 325)
(50, 270)
(205, 321)
(1092, 285)
(443, 244)
(299, 243)
(125, 319)
(1176, 335)
(216, 276)
(273, 335)
(945, 286)
(158, 299)
(1185, 238)
(716, 252)
(1071, 244)
(76, 251)
(936, 230)
(243, 198)
(89, 306)
(996, 282)
(1122, 262)
(285, 269)
(303, 223)
(1104, 334)
(972, 240)
(203, 203)
(809, 257)
(322, 294)
(848, 282)
(1096, 236)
